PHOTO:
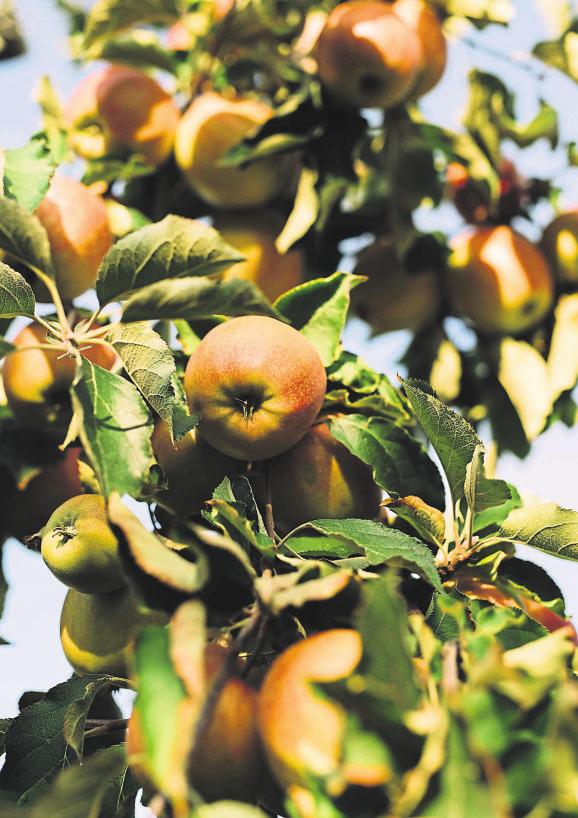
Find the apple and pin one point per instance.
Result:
(25, 510)
(393, 298)
(319, 478)
(209, 128)
(302, 732)
(97, 631)
(258, 385)
(422, 19)
(192, 467)
(367, 56)
(560, 245)
(80, 548)
(118, 108)
(499, 280)
(229, 761)
(253, 235)
(37, 381)
(76, 221)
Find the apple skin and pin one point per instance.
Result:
(302, 733)
(254, 234)
(208, 129)
(25, 511)
(560, 246)
(36, 381)
(97, 631)
(116, 108)
(76, 220)
(498, 280)
(192, 467)
(367, 56)
(392, 298)
(80, 548)
(230, 762)
(320, 479)
(422, 19)
(258, 385)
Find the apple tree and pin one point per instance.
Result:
(305, 571)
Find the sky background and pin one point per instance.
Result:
(34, 659)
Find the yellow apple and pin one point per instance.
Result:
(422, 19)
(560, 245)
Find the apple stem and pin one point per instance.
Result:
(269, 519)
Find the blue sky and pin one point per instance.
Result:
(34, 660)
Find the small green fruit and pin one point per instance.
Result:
(80, 548)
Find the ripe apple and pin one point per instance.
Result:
(80, 548)
(97, 631)
(367, 56)
(560, 245)
(120, 108)
(192, 467)
(229, 761)
(320, 479)
(209, 128)
(254, 234)
(258, 385)
(37, 381)
(422, 19)
(392, 298)
(499, 280)
(24, 511)
(302, 732)
(76, 221)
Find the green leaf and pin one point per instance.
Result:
(563, 355)
(382, 545)
(109, 17)
(479, 11)
(16, 296)
(561, 53)
(139, 48)
(450, 434)
(313, 582)
(304, 213)
(172, 248)
(160, 700)
(150, 365)
(115, 429)
(28, 171)
(94, 789)
(36, 750)
(5, 346)
(400, 464)
(153, 557)
(497, 514)
(382, 623)
(427, 521)
(482, 493)
(228, 809)
(76, 713)
(545, 526)
(524, 376)
(194, 299)
(111, 169)
(23, 237)
(319, 309)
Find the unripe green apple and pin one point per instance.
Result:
(303, 733)
(25, 510)
(192, 467)
(319, 478)
(80, 548)
(367, 56)
(97, 631)
(37, 381)
(76, 221)
(253, 235)
(422, 19)
(560, 245)
(394, 299)
(258, 385)
(209, 128)
(121, 108)
(499, 280)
